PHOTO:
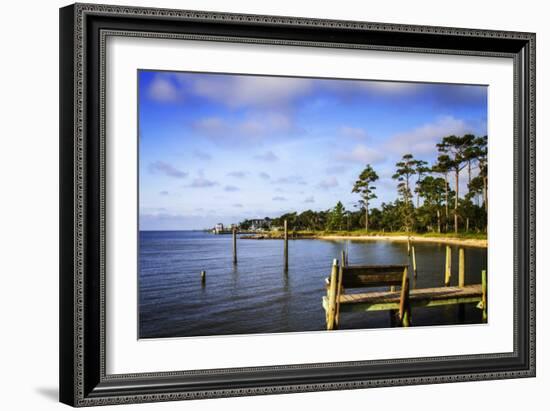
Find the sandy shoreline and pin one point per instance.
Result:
(469, 242)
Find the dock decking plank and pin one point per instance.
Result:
(423, 297)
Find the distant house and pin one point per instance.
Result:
(260, 224)
(218, 228)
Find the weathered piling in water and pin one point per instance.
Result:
(404, 306)
(484, 294)
(286, 246)
(413, 260)
(339, 288)
(448, 266)
(234, 245)
(461, 283)
(203, 277)
(343, 258)
(331, 314)
(461, 267)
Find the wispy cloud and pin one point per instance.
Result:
(361, 154)
(422, 140)
(163, 90)
(241, 91)
(279, 198)
(166, 169)
(254, 128)
(293, 179)
(353, 132)
(265, 176)
(336, 169)
(231, 188)
(237, 174)
(164, 193)
(309, 199)
(237, 205)
(202, 155)
(328, 183)
(202, 182)
(268, 156)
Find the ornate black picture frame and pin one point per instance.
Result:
(83, 30)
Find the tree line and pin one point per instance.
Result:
(425, 200)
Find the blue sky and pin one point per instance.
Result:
(222, 148)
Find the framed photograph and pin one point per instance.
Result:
(262, 204)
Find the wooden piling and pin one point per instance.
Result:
(413, 260)
(461, 267)
(484, 294)
(203, 277)
(404, 306)
(448, 266)
(234, 245)
(339, 289)
(343, 258)
(286, 246)
(408, 246)
(332, 295)
(461, 283)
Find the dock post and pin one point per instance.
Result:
(408, 246)
(484, 294)
(414, 260)
(203, 277)
(343, 258)
(404, 306)
(234, 245)
(448, 266)
(461, 267)
(286, 246)
(339, 289)
(332, 295)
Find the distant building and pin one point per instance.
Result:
(260, 224)
(218, 228)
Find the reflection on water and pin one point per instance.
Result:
(257, 296)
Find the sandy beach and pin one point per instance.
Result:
(469, 242)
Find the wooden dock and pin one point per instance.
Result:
(399, 303)
(422, 297)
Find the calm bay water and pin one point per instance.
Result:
(257, 296)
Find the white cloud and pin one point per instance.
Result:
(163, 90)
(231, 188)
(240, 91)
(309, 199)
(265, 176)
(279, 198)
(361, 154)
(422, 140)
(254, 128)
